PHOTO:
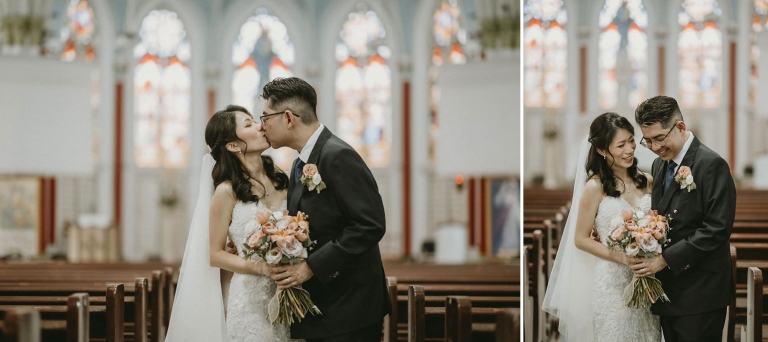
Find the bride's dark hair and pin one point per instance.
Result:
(221, 130)
(601, 133)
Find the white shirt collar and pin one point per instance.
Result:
(679, 158)
(310, 145)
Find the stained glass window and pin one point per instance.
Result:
(77, 35)
(363, 87)
(545, 48)
(700, 48)
(263, 51)
(162, 92)
(623, 51)
(449, 39)
(759, 26)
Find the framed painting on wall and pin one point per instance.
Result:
(504, 217)
(20, 198)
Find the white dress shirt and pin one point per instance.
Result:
(679, 158)
(307, 150)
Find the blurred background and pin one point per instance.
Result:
(105, 104)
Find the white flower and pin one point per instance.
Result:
(617, 222)
(632, 249)
(293, 249)
(642, 223)
(282, 224)
(251, 226)
(316, 179)
(278, 215)
(649, 245)
(311, 186)
(658, 249)
(273, 256)
(689, 179)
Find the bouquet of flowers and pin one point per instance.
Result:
(640, 234)
(279, 238)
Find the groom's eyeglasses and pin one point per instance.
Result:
(657, 142)
(262, 118)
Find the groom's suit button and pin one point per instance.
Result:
(335, 274)
(675, 212)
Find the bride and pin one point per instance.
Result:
(586, 286)
(236, 181)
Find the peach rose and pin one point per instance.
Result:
(657, 232)
(262, 216)
(684, 171)
(617, 233)
(626, 214)
(255, 239)
(309, 170)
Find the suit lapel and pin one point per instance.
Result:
(658, 185)
(295, 194)
(674, 188)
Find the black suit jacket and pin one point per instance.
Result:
(347, 221)
(698, 278)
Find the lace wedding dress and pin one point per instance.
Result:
(247, 318)
(613, 320)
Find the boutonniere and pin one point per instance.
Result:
(311, 178)
(685, 178)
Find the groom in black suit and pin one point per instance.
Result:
(343, 273)
(695, 268)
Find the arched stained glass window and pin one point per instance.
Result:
(162, 92)
(759, 26)
(449, 37)
(700, 48)
(545, 48)
(262, 52)
(77, 35)
(363, 87)
(623, 50)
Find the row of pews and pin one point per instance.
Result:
(544, 218)
(453, 302)
(85, 302)
(132, 302)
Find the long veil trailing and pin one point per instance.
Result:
(198, 309)
(570, 287)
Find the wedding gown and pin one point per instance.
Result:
(613, 320)
(247, 318)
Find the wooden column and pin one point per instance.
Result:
(732, 106)
(407, 168)
(583, 79)
(118, 181)
(662, 70)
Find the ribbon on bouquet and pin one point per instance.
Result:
(273, 307)
(650, 291)
(298, 306)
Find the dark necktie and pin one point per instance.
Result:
(670, 175)
(298, 170)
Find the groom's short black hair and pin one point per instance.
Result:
(661, 109)
(292, 93)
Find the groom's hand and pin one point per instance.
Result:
(648, 266)
(287, 276)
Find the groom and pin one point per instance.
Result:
(343, 273)
(695, 269)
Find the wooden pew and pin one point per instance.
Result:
(21, 324)
(754, 327)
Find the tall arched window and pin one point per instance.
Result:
(161, 92)
(759, 26)
(545, 48)
(700, 48)
(449, 37)
(623, 51)
(363, 87)
(263, 51)
(77, 35)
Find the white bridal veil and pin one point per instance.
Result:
(569, 291)
(198, 309)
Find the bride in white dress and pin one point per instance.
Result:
(586, 286)
(235, 183)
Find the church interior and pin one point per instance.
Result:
(583, 58)
(105, 104)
